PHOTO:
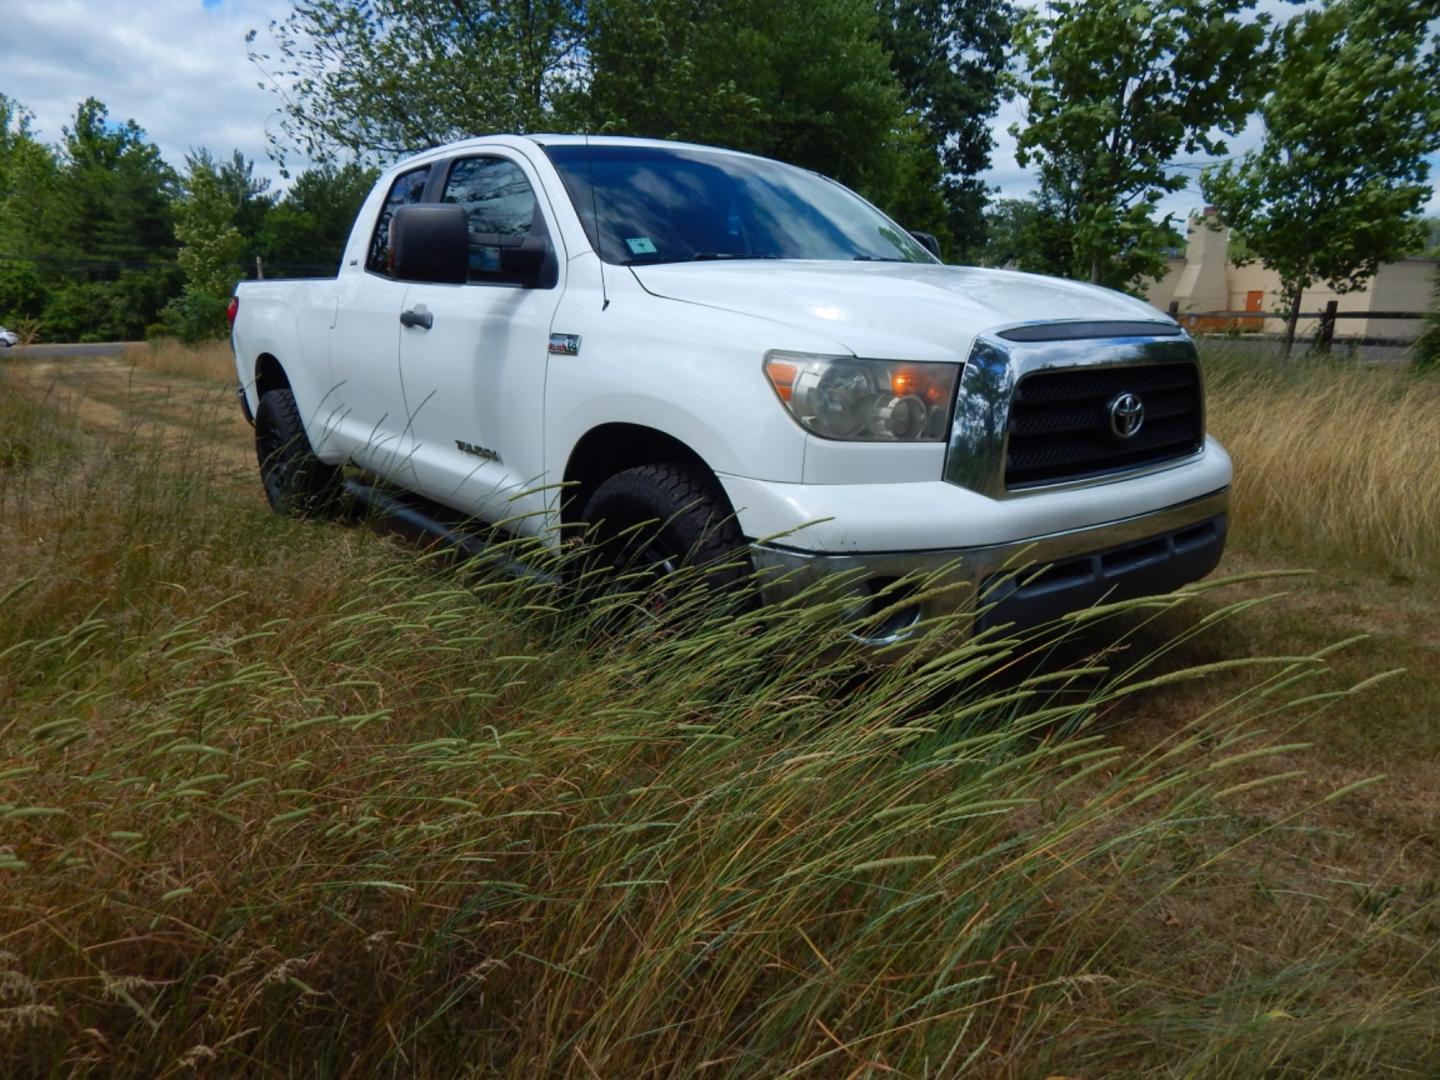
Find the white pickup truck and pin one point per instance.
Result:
(548, 331)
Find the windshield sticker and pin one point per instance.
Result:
(640, 245)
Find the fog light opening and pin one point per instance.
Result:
(880, 615)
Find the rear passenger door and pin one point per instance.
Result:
(474, 380)
(366, 411)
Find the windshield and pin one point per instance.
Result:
(660, 204)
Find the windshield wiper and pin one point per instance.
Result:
(706, 255)
(879, 258)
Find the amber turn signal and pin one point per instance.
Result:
(782, 377)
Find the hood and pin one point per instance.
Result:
(909, 311)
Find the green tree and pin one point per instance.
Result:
(1430, 243)
(1114, 90)
(86, 236)
(27, 176)
(23, 293)
(913, 190)
(116, 310)
(210, 251)
(389, 77)
(308, 227)
(210, 244)
(803, 80)
(115, 191)
(248, 195)
(655, 71)
(29, 185)
(1335, 187)
(1426, 351)
(949, 58)
(1027, 235)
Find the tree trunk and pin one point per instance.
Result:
(1292, 320)
(1095, 270)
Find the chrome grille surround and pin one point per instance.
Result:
(980, 431)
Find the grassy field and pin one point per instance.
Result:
(281, 797)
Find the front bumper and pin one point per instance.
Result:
(1022, 583)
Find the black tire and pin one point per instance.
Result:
(297, 483)
(652, 520)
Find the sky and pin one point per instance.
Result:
(179, 68)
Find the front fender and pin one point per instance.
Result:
(691, 372)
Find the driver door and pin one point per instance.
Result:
(473, 372)
(364, 413)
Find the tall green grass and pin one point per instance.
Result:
(279, 797)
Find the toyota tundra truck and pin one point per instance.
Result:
(557, 332)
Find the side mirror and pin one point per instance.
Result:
(928, 241)
(431, 243)
(531, 262)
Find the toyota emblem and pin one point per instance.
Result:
(1127, 415)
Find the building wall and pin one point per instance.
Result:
(1160, 292)
(1205, 281)
(1258, 278)
(1408, 285)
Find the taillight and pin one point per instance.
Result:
(232, 309)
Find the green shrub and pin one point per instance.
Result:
(22, 293)
(194, 317)
(1425, 353)
(116, 310)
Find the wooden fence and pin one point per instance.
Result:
(1228, 321)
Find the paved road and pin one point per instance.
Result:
(45, 352)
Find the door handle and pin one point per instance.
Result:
(417, 316)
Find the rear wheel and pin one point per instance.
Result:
(297, 483)
(652, 522)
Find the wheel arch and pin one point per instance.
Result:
(610, 448)
(270, 374)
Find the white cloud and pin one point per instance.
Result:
(177, 67)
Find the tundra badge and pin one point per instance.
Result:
(477, 451)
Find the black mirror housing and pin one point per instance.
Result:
(928, 241)
(531, 262)
(431, 243)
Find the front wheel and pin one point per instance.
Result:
(653, 522)
(297, 483)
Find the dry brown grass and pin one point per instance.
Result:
(166, 356)
(1334, 460)
(279, 797)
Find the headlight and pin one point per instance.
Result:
(840, 397)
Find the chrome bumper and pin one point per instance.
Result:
(1137, 556)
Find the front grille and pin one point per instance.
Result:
(1060, 422)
